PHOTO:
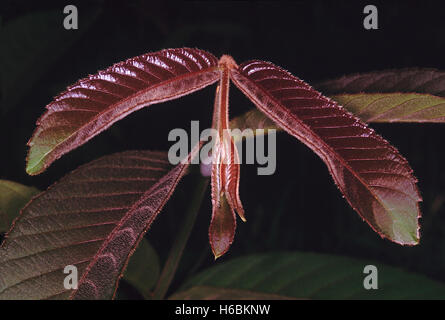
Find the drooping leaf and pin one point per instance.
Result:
(375, 179)
(13, 197)
(215, 293)
(222, 227)
(34, 42)
(93, 104)
(394, 107)
(409, 80)
(143, 269)
(312, 276)
(93, 219)
(225, 173)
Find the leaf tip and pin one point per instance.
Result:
(220, 243)
(33, 168)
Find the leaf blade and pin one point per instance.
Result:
(375, 179)
(85, 220)
(306, 275)
(407, 80)
(394, 107)
(93, 104)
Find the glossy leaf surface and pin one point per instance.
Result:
(93, 219)
(93, 104)
(375, 179)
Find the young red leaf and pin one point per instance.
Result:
(430, 81)
(375, 179)
(225, 169)
(222, 227)
(93, 104)
(93, 219)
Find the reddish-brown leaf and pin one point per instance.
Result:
(93, 219)
(430, 81)
(225, 169)
(93, 104)
(222, 227)
(375, 179)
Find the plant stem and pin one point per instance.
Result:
(169, 270)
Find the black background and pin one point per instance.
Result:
(297, 208)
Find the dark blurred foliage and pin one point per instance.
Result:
(297, 208)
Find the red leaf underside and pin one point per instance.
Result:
(375, 179)
(225, 170)
(93, 219)
(93, 104)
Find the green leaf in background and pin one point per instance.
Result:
(369, 107)
(253, 119)
(420, 80)
(215, 293)
(13, 197)
(312, 276)
(30, 44)
(394, 107)
(143, 269)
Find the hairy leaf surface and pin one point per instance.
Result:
(93, 219)
(93, 104)
(312, 276)
(430, 81)
(375, 179)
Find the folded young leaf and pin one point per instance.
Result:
(93, 104)
(375, 179)
(93, 219)
(394, 107)
(222, 227)
(430, 81)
